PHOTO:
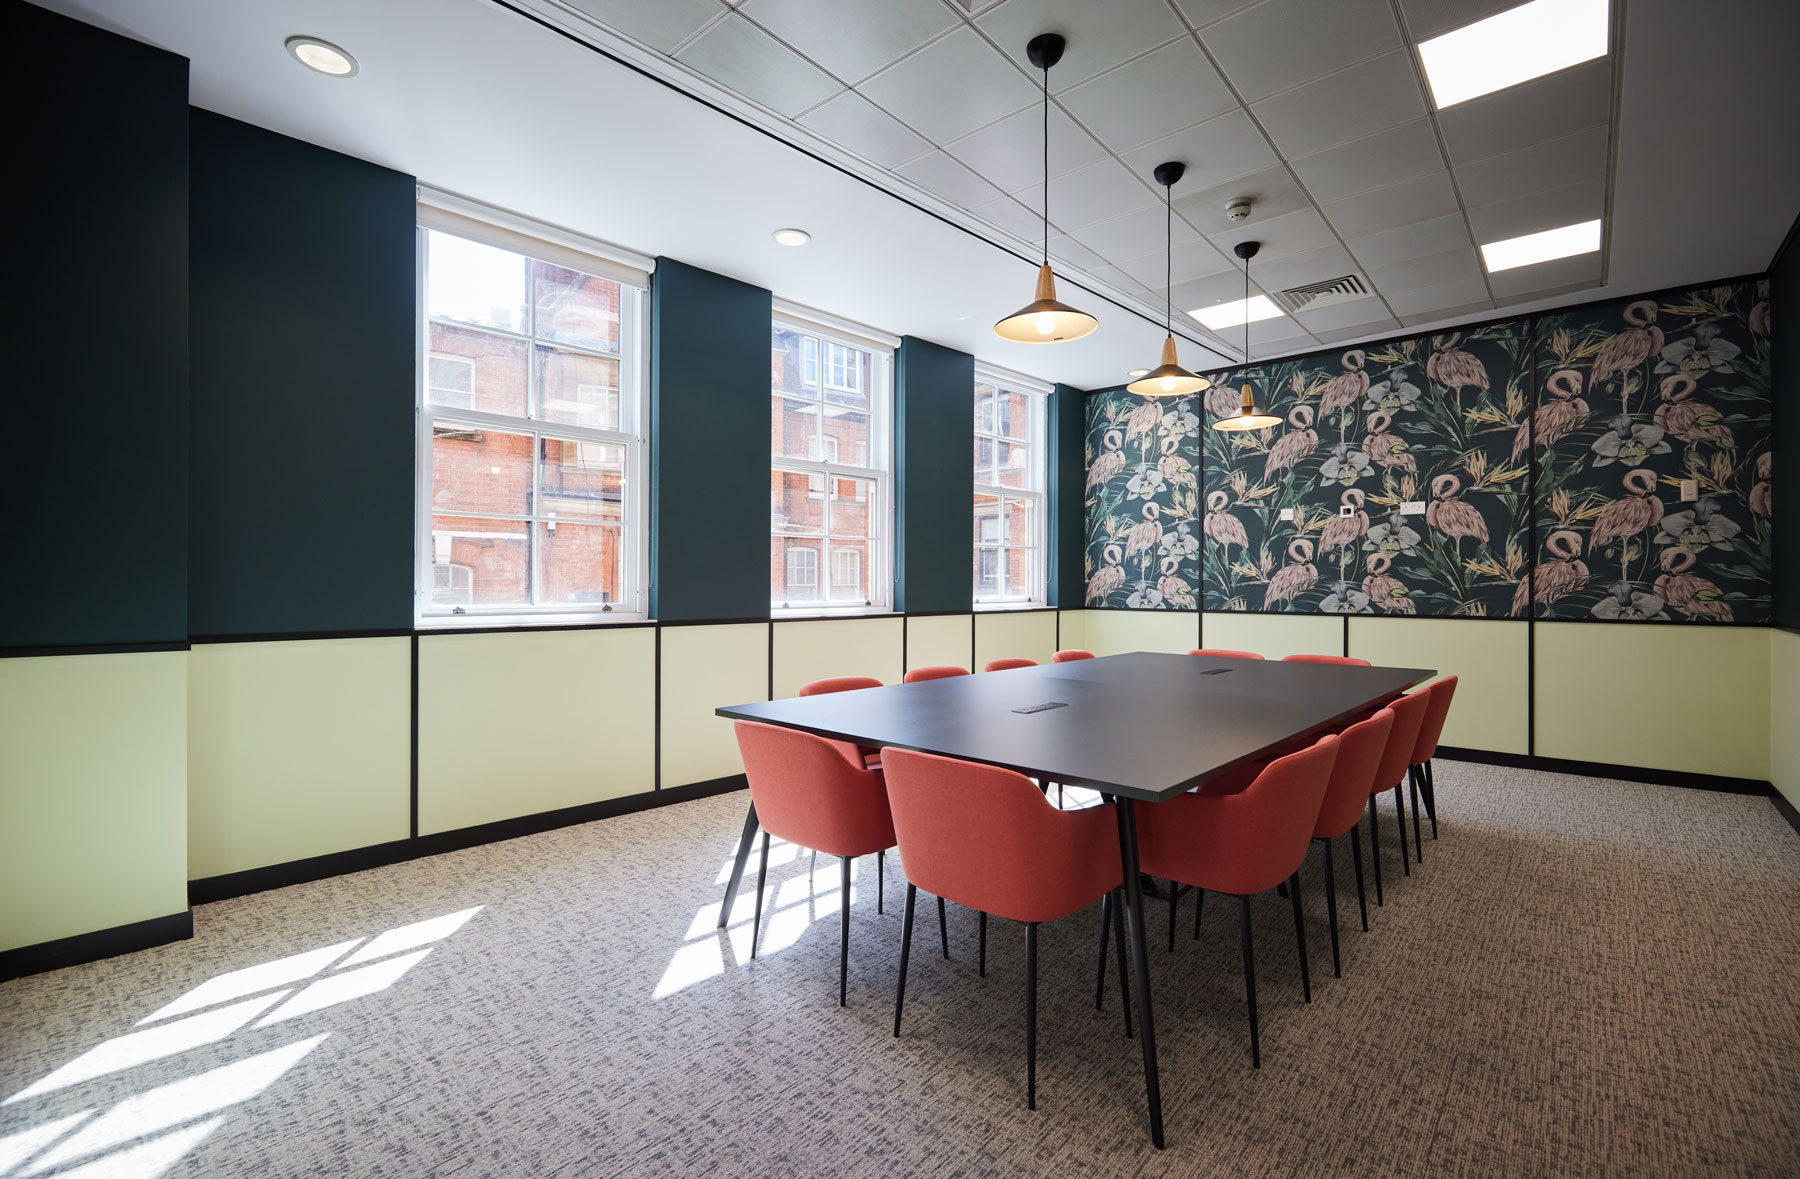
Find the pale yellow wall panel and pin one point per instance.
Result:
(93, 793)
(1115, 632)
(703, 668)
(517, 724)
(1492, 663)
(1025, 634)
(807, 651)
(296, 749)
(938, 641)
(1073, 624)
(1274, 636)
(1689, 698)
(1784, 713)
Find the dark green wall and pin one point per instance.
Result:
(709, 427)
(94, 471)
(934, 400)
(301, 416)
(1068, 483)
(1784, 300)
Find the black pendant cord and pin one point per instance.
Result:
(1046, 192)
(1246, 318)
(1168, 259)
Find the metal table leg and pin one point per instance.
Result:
(737, 866)
(1140, 963)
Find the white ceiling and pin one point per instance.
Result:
(818, 113)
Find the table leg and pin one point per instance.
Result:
(737, 866)
(1140, 963)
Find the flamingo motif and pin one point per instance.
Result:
(1173, 588)
(1689, 593)
(1174, 468)
(1385, 449)
(1450, 365)
(1624, 518)
(1294, 578)
(1691, 421)
(1110, 462)
(1554, 419)
(1453, 517)
(1762, 492)
(1759, 312)
(1345, 389)
(1221, 525)
(1341, 531)
(1295, 445)
(1143, 420)
(1627, 349)
(1562, 574)
(1143, 537)
(1384, 590)
(1109, 577)
(1222, 400)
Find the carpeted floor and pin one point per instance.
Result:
(1584, 977)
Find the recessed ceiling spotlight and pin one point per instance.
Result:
(322, 56)
(1138, 372)
(1533, 248)
(1515, 46)
(1239, 311)
(792, 237)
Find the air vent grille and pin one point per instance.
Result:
(1315, 295)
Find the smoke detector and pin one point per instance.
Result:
(1238, 210)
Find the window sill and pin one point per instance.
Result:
(1010, 607)
(809, 614)
(453, 623)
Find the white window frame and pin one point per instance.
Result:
(558, 248)
(829, 331)
(1037, 396)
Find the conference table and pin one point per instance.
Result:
(1139, 727)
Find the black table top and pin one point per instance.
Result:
(1144, 725)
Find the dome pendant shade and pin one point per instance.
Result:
(1044, 320)
(1247, 418)
(1169, 379)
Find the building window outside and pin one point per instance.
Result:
(530, 450)
(1009, 456)
(829, 471)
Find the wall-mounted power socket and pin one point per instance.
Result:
(1287, 514)
(1413, 507)
(1690, 490)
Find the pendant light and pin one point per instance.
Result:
(1044, 320)
(1247, 417)
(1169, 379)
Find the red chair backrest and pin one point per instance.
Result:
(1440, 694)
(919, 674)
(1359, 755)
(1409, 717)
(806, 793)
(1341, 660)
(842, 683)
(1070, 656)
(984, 837)
(1224, 653)
(1008, 664)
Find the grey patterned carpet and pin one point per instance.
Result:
(1583, 978)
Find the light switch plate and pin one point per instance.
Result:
(1413, 507)
(1690, 490)
(1346, 509)
(1287, 514)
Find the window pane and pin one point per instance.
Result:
(794, 568)
(796, 502)
(473, 283)
(578, 390)
(1019, 572)
(477, 469)
(984, 408)
(581, 563)
(848, 372)
(984, 461)
(576, 308)
(793, 363)
(1012, 415)
(850, 428)
(987, 519)
(987, 573)
(852, 506)
(582, 480)
(849, 571)
(478, 562)
(1012, 465)
(472, 369)
(1021, 525)
(793, 428)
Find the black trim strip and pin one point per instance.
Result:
(294, 636)
(1787, 809)
(412, 829)
(92, 649)
(1596, 769)
(91, 947)
(655, 716)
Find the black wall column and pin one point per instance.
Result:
(1068, 497)
(1784, 304)
(934, 408)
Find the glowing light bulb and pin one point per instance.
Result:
(1244, 417)
(1046, 323)
(1168, 384)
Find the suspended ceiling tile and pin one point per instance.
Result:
(1441, 299)
(1376, 161)
(1187, 261)
(1418, 199)
(1201, 13)
(1100, 35)
(1133, 235)
(853, 122)
(1271, 192)
(1547, 278)
(1087, 195)
(1220, 149)
(1569, 205)
(1124, 283)
(1214, 288)
(1309, 266)
(1426, 19)
(950, 87)
(1357, 315)
(1010, 153)
(851, 49)
(1361, 100)
(737, 54)
(1404, 243)
(942, 175)
(1282, 43)
(1361, 331)
(1155, 95)
(1559, 162)
(1067, 249)
(1013, 217)
(1451, 266)
(1292, 233)
(1274, 337)
(1529, 113)
(1474, 309)
(661, 26)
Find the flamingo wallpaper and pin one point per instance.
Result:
(1402, 478)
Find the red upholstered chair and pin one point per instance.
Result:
(920, 674)
(1409, 717)
(1242, 844)
(868, 759)
(1341, 660)
(1440, 694)
(1224, 653)
(1008, 664)
(1070, 656)
(1360, 748)
(984, 837)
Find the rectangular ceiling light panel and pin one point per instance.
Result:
(1233, 314)
(1532, 248)
(1515, 46)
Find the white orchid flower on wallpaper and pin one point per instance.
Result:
(1704, 351)
(1703, 527)
(1628, 442)
(1623, 602)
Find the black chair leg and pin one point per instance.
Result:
(1412, 778)
(1331, 909)
(1174, 901)
(1375, 848)
(944, 929)
(1430, 795)
(1031, 1015)
(844, 937)
(880, 877)
(1106, 906)
(1118, 924)
(1300, 936)
(912, 894)
(1362, 900)
(1400, 822)
(982, 967)
(1249, 978)
(1199, 907)
(762, 874)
